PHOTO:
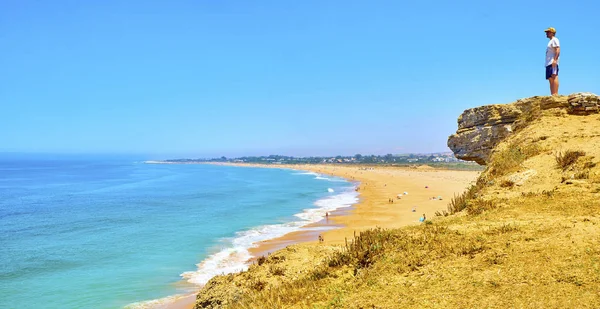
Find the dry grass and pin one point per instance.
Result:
(510, 158)
(582, 175)
(478, 206)
(507, 183)
(276, 270)
(565, 159)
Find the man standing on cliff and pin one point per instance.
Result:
(552, 54)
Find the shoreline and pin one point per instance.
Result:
(377, 188)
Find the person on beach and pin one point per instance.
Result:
(423, 218)
(552, 56)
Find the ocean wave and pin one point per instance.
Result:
(321, 177)
(306, 173)
(235, 258)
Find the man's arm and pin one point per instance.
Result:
(556, 55)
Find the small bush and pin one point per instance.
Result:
(478, 206)
(582, 175)
(496, 258)
(548, 193)
(460, 202)
(528, 194)
(319, 273)
(276, 270)
(443, 213)
(457, 203)
(567, 158)
(363, 249)
(261, 260)
(507, 183)
(258, 285)
(339, 258)
(505, 228)
(277, 258)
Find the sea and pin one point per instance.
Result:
(114, 232)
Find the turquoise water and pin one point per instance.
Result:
(107, 233)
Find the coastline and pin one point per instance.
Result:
(377, 187)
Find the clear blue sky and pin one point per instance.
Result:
(211, 78)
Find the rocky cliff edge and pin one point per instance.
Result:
(480, 129)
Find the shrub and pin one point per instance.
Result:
(443, 213)
(460, 202)
(582, 175)
(319, 273)
(567, 158)
(363, 249)
(478, 206)
(457, 203)
(276, 270)
(589, 165)
(258, 284)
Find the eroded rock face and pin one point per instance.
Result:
(583, 103)
(480, 129)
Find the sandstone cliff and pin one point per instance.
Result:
(480, 129)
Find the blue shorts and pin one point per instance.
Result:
(551, 71)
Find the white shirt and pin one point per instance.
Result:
(551, 52)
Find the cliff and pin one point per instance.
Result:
(480, 129)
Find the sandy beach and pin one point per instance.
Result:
(378, 186)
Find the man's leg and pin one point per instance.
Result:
(553, 84)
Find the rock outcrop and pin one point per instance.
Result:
(480, 129)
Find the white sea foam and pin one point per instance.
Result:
(329, 190)
(321, 177)
(157, 303)
(306, 173)
(234, 257)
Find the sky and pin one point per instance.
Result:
(304, 78)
